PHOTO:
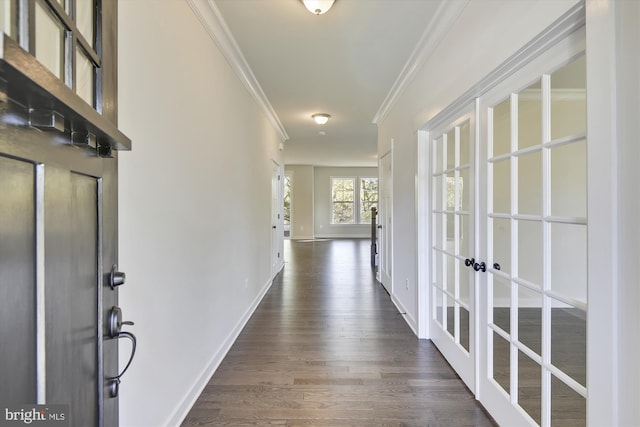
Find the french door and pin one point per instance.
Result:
(452, 246)
(535, 223)
(508, 240)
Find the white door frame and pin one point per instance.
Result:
(385, 223)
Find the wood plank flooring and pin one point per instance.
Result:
(327, 347)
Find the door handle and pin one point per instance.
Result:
(480, 267)
(469, 262)
(116, 278)
(115, 332)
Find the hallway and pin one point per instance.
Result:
(327, 347)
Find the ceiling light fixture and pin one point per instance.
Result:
(318, 7)
(320, 118)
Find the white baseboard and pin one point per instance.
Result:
(407, 317)
(181, 412)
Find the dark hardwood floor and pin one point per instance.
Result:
(327, 347)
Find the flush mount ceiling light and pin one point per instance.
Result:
(320, 118)
(318, 7)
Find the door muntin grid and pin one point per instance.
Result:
(536, 230)
(452, 237)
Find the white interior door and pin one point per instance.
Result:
(534, 240)
(452, 323)
(384, 222)
(277, 233)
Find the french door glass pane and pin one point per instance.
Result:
(464, 328)
(529, 386)
(569, 260)
(438, 268)
(530, 183)
(501, 362)
(450, 316)
(502, 186)
(463, 190)
(502, 303)
(530, 116)
(569, 100)
(530, 319)
(464, 144)
(463, 275)
(530, 251)
(451, 262)
(568, 408)
(439, 230)
(465, 236)
(502, 243)
(438, 303)
(450, 231)
(438, 158)
(437, 193)
(502, 128)
(451, 149)
(569, 180)
(451, 191)
(49, 39)
(569, 341)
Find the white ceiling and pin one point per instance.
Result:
(343, 63)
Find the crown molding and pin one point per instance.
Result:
(214, 24)
(439, 25)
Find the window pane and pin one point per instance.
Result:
(6, 10)
(568, 408)
(49, 40)
(529, 386)
(84, 19)
(84, 78)
(368, 198)
(342, 190)
(287, 200)
(501, 362)
(569, 340)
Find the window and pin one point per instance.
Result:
(351, 204)
(287, 200)
(368, 198)
(343, 200)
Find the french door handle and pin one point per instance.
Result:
(480, 267)
(469, 262)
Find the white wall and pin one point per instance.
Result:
(322, 202)
(301, 201)
(485, 34)
(195, 197)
